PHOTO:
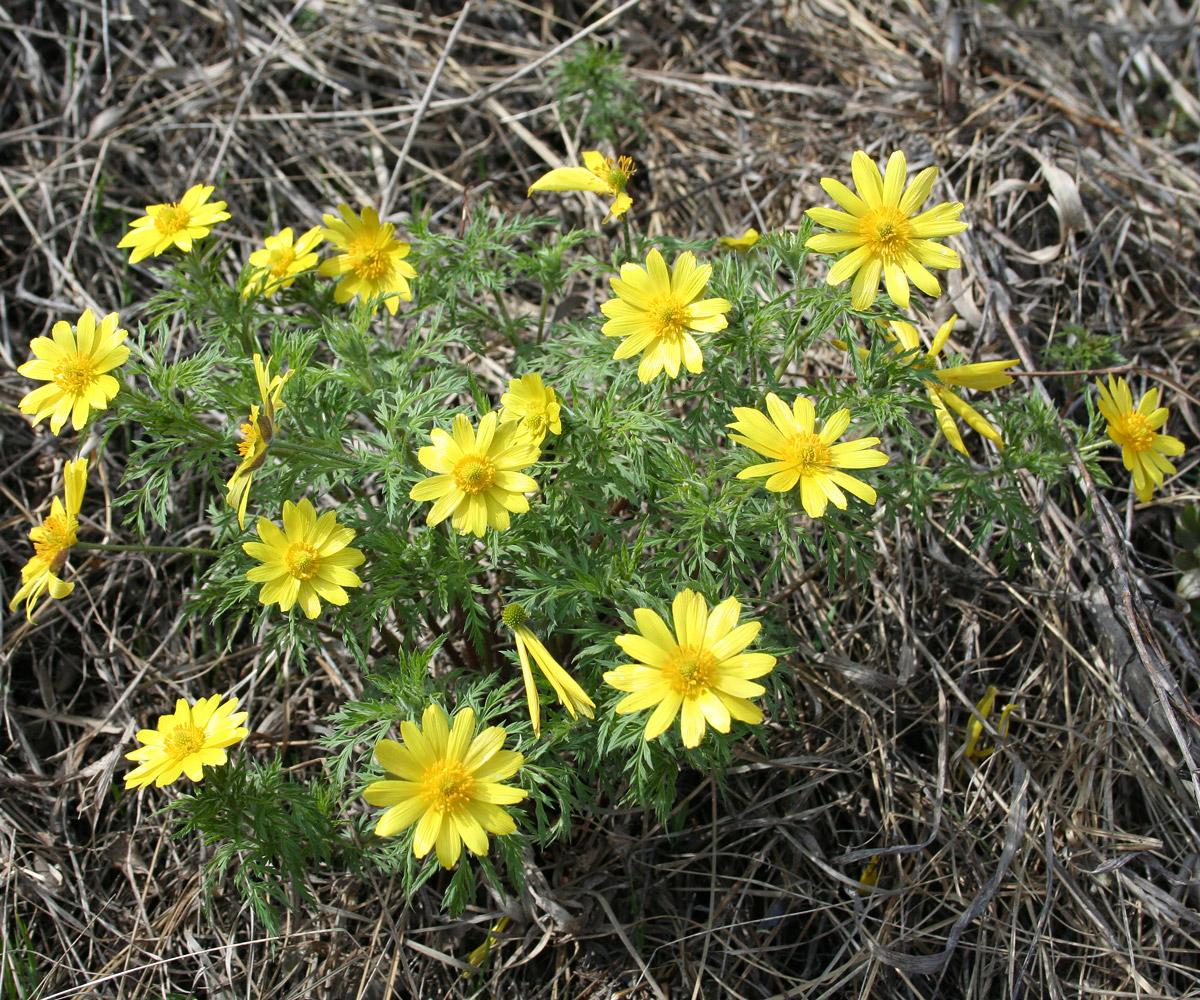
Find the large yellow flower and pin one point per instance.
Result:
(802, 452)
(700, 669)
(74, 364)
(256, 436)
(882, 232)
(1143, 449)
(599, 174)
(478, 477)
(52, 540)
(307, 561)
(372, 259)
(184, 742)
(176, 223)
(533, 405)
(573, 697)
(281, 261)
(657, 309)
(446, 782)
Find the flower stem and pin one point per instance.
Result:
(184, 550)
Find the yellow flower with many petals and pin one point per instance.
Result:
(803, 452)
(1143, 449)
(657, 309)
(884, 236)
(184, 742)
(305, 562)
(74, 364)
(573, 697)
(52, 540)
(741, 244)
(534, 407)
(478, 477)
(447, 781)
(176, 223)
(277, 265)
(700, 671)
(257, 433)
(599, 174)
(372, 260)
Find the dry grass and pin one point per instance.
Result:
(1064, 865)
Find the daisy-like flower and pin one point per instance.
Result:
(741, 244)
(52, 540)
(176, 223)
(184, 742)
(372, 259)
(699, 670)
(257, 433)
(1143, 449)
(478, 477)
(74, 363)
(281, 261)
(802, 452)
(599, 174)
(573, 697)
(882, 232)
(447, 781)
(533, 405)
(657, 309)
(307, 561)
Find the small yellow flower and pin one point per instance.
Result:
(1143, 449)
(533, 405)
(52, 540)
(700, 669)
(447, 781)
(256, 436)
(307, 561)
(281, 261)
(74, 364)
(372, 260)
(478, 477)
(176, 223)
(599, 174)
(802, 452)
(573, 697)
(882, 232)
(184, 742)
(740, 244)
(657, 309)
(971, 749)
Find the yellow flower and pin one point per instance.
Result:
(477, 475)
(176, 223)
(278, 265)
(52, 540)
(533, 405)
(1143, 450)
(800, 451)
(599, 174)
(74, 363)
(700, 669)
(184, 742)
(256, 436)
(446, 782)
(573, 697)
(656, 310)
(885, 236)
(742, 244)
(306, 561)
(971, 749)
(372, 259)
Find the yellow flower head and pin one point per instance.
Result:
(801, 451)
(1143, 449)
(882, 232)
(74, 363)
(372, 259)
(281, 261)
(478, 477)
(52, 540)
(700, 669)
(174, 224)
(533, 406)
(256, 436)
(741, 244)
(573, 697)
(184, 742)
(599, 174)
(657, 309)
(307, 561)
(447, 781)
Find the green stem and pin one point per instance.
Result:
(183, 550)
(542, 315)
(295, 448)
(628, 237)
(509, 332)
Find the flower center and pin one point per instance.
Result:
(249, 439)
(74, 373)
(474, 473)
(668, 317)
(183, 741)
(535, 419)
(807, 452)
(281, 260)
(57, 536)
(171, 219)
(886, 232)
(447, 786)
(689, 670)
(302, 561)
(1134, 431)
(368, 259)
(513, 615)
